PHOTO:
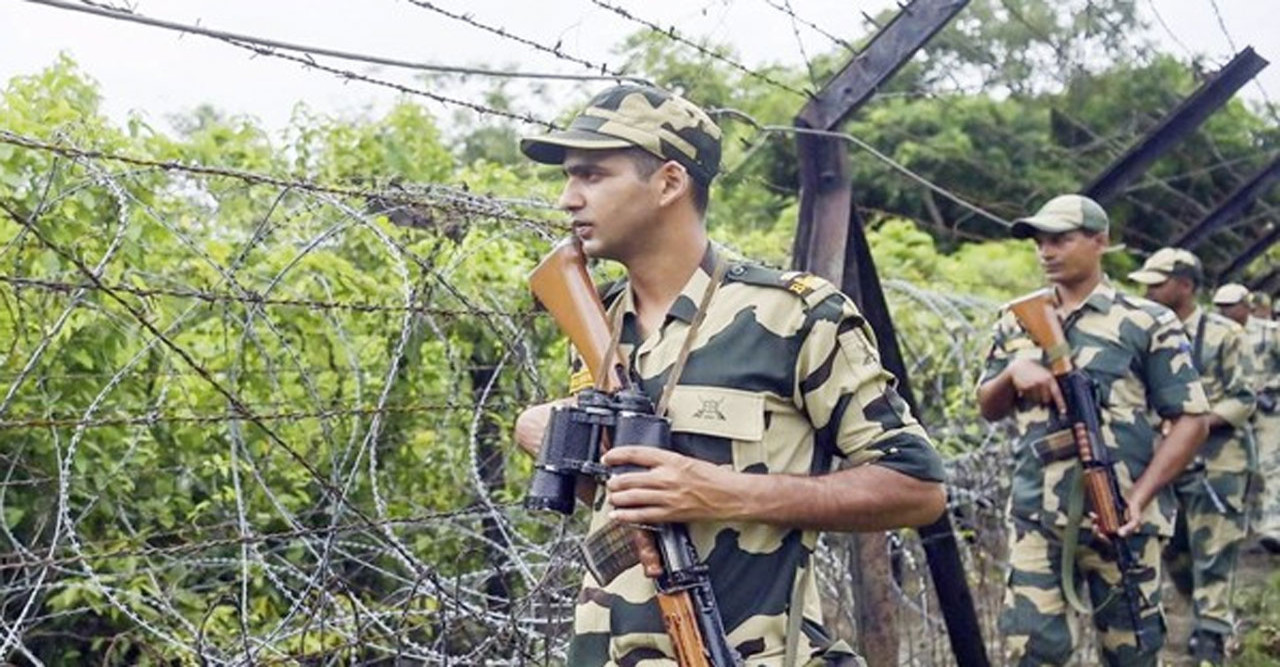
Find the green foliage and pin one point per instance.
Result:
(1260, 644)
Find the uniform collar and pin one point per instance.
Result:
(1100, 299)
(685, 307)
(1193, 320)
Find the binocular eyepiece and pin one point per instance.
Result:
(577, 435)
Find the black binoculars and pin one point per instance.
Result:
(577, 435)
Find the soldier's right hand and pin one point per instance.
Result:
(1033, 381)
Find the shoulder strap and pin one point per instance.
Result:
(1198, 352)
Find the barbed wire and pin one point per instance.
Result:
(606, 72)
(28, 422)
(308, 60)
(872, 150)
(250, 298)
(444, 197)
(786, 8)
(119, 14)
(674, 35)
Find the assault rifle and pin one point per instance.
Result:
(615, 412)
(1037, 316)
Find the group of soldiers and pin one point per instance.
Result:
(1195, 499)
(1223, 496)
(783, 423)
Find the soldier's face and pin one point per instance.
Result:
(1239, 312)
(1070, 257)
(1162, 293)
(611, 203)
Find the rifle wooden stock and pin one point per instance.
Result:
(561, 283)
(1038, 316)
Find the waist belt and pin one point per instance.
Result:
(1057, 446)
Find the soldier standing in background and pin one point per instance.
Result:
(1263, 347)
(781, 379)
(1136, 353)
(1212, 513)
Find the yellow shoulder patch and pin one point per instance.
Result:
(581, 380)
(802, 284)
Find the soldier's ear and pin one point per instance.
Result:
(675, 182)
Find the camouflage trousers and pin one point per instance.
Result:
(1037, 623)
(1266, 432)
(1201, 558)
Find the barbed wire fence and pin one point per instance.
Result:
(303, 463)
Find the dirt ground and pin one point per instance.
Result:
(1255, 567)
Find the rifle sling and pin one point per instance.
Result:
(1071, 539)
(1197, 356)
(698, 317)
(1071, 542)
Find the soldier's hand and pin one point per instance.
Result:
(532, 423)
(1137, 504)
(1034, 381)
(674, 488)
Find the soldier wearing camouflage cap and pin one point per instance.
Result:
(1263, 349)
(782, 378)
(1137, 354)
(1212, 491)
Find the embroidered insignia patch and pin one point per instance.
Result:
(802, 284)
(710, 409)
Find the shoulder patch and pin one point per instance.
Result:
(1161, 314)
(801, 283)
(809, 288)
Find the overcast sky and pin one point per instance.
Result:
(156, 73)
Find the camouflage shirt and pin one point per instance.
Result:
(1218, 352)
(1264, 352)
(782, 378)
(1137, 354)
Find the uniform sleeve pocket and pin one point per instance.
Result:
(716, 411)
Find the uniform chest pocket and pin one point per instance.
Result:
(1113, 376)
(715, 423)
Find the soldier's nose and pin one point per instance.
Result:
(569, 199)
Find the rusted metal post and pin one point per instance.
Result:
(830, 242)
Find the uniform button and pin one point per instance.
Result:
(738, 270)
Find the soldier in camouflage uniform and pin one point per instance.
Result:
(782, 379)
(1263, 349)
(1136, 353)
(1211, 492)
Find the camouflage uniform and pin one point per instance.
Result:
(1211, 493)
(783, 378)
(1136, 352)
(1264, 352)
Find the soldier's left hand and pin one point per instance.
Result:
(1137, 505)
(674, 489)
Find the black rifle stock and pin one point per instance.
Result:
(685, 599)
(1038, 317)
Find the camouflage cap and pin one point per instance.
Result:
(1259, 298)
(1230, 294)
(653, 119)
(1062, 214)
(1167, 263)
